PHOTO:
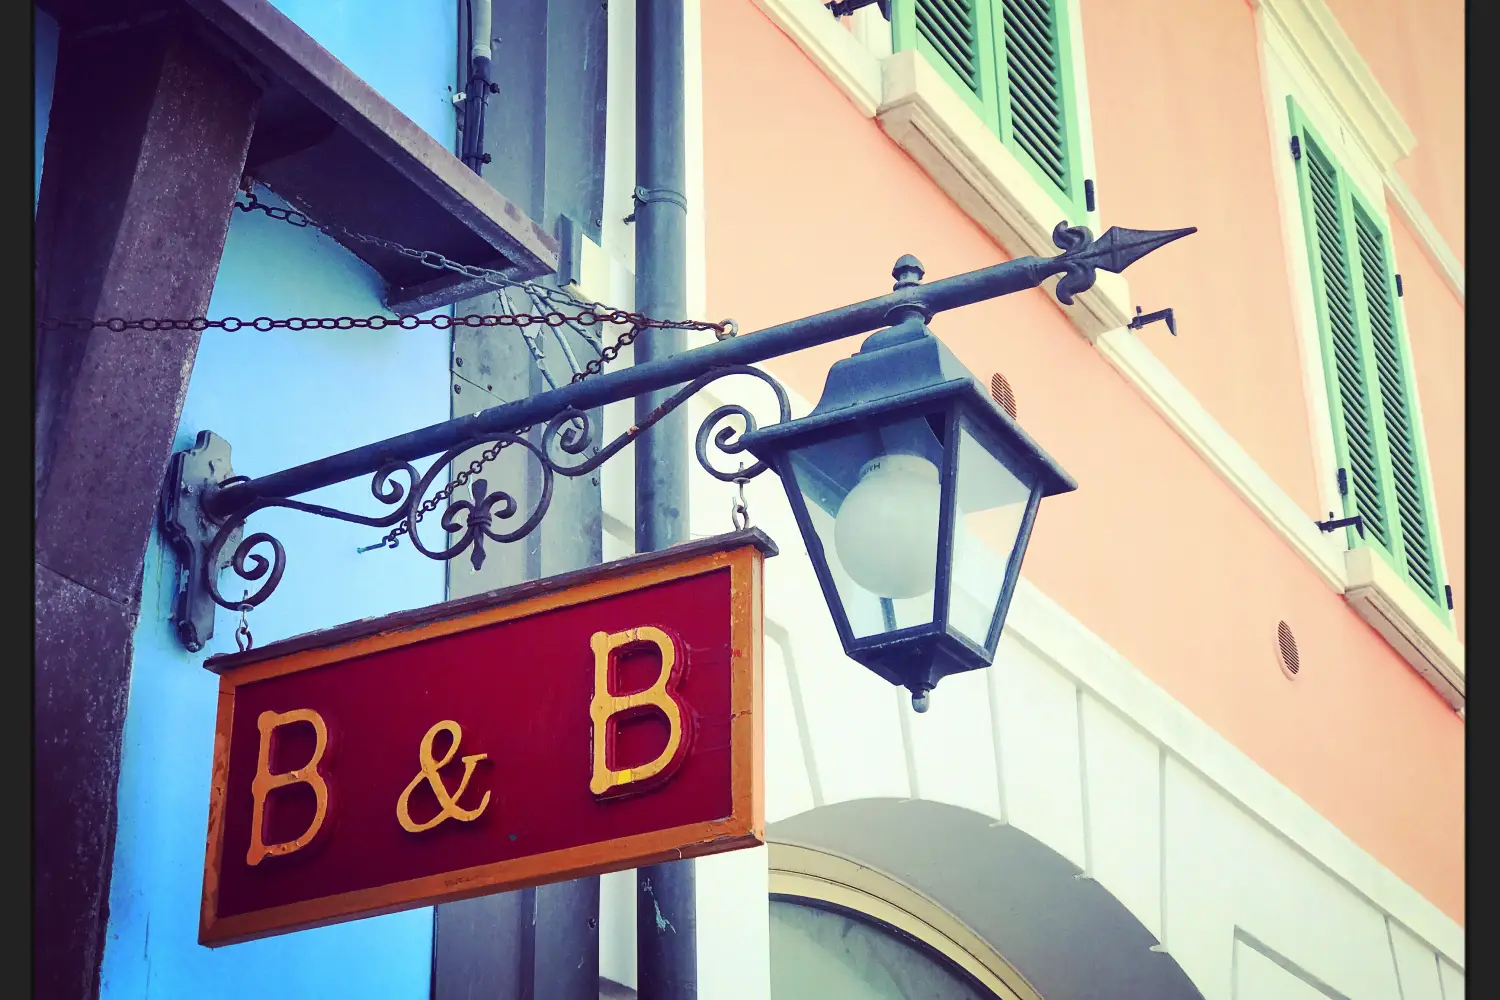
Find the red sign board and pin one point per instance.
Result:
(592, 722)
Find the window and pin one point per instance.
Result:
(1010, 62)
(843, 929)
(1377, 431)
(819, 950)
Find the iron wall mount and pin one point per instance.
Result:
(205, 506)
(190, 531)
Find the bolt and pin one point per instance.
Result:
(459, 362)
(457, 388)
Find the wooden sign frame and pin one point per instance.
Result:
(742, 553)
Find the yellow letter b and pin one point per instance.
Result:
(265, 782)
(660, 696)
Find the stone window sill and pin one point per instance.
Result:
(1385, 600)
(920, 111)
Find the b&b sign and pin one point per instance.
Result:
(592, 722)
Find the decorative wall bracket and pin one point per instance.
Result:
(1356, 521)
(200, 540)
(189, 529)
(1161, 315)
(205, 506)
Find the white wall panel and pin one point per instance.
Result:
(617, 927)
(1122, 773)
(1268, 890)
(1037, 722)
(788, 786)
(1416, 965)
(953, 744)
(1258, 977)
(1200, 872)
(1302, 912)
(734, 926)
(857, 747)
(1452, 980)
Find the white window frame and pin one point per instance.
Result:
(874, 32)
(1291, 67)
(821, 876)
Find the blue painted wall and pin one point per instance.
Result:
(280, 399)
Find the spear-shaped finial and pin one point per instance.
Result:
(1116, 250)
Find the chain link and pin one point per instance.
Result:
(265, 324)
(242, 637)
(739, 508)
(583, 314)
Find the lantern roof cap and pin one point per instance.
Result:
(903, 367)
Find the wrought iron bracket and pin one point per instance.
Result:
(565, 445)
(843, 8)
(189, 529)
(205, 506)
(1164, 315)
(1356, 521)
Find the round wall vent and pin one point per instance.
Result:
(1286, 650)
(1000, 391)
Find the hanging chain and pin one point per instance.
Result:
(427, 258)
(582, 314)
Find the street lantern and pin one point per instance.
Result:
(915, 495)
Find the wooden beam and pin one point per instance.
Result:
(376, 171)
(145, 145)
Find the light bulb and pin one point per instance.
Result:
(886, 531)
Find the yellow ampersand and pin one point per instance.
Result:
(448, 804)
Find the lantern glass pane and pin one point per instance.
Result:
(873, 496)
(991, 512)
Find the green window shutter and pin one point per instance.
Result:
(955, 37)
(1010, 60)
(1324, 208)
(1404, 460)
(1377, 433)
(1036, 81)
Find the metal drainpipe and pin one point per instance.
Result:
(477, 90)
(666, 904)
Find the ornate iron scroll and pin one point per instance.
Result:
(470, 523)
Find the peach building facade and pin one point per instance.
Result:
(1237, 737)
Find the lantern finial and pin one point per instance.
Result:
(907, 272)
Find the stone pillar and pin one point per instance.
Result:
(146, 142)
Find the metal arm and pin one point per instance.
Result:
(205, 505)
